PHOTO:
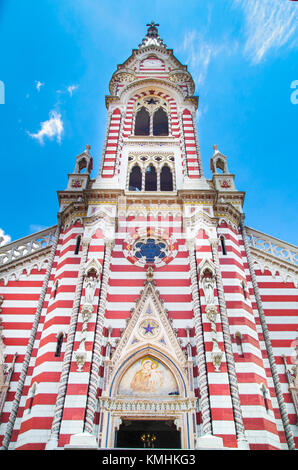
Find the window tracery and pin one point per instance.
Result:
(151, 117)
(150, 250)
(151, 173)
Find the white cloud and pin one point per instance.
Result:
(269, 24)
(38, 85)
(200, 52)
(4, 238)
(198, 55)
(51, 128)
(72, 88)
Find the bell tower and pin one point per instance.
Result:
(151, 143)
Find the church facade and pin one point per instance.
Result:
(149, 315)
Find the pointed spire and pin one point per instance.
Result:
(152, 37)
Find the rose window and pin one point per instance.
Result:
(150, 250)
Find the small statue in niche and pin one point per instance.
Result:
(208, 287)
(90, 285)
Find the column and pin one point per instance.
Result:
(240, 432)
(53, 440)
(97, 358)
(203, 382)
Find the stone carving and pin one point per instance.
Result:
(148, 405)
(80, 356)
(149, 274)
(91, 279)
(208, 285)
(90, 285)
(292, 377)
(149, 313)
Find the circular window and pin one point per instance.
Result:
(150, 250)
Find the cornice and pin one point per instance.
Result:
(144, 82)
(144, 142)
(227, 210)
(150, 48)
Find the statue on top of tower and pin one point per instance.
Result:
(152, 30)
(152, 37)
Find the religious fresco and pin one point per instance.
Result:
(148, 376)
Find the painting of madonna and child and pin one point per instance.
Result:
(148, 377)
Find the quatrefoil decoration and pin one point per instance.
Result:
(150, 250)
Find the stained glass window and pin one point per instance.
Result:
(151, 250)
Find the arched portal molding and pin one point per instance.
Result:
(141, 87)
(155, 352)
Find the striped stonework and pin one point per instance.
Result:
(153, 279)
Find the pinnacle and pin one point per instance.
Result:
(152, 37)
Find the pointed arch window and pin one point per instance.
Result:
(151, 173)
(244, 290)
(160, 122)
(135, 179)
(265, 397)
(150, 178)
(78, 243)
(223, 245)
(152, 116)
(55, 289)
(32, 393)
(142, 123)
(166, 179)
(82, 164)
(220, 166)
(238, 337)
(59, 344)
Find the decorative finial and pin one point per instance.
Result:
(152, 30)
(88, 147)
(149, 274)
(152, 37)
(215, 147)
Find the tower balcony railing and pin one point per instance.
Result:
(26, 246)
(273, 246)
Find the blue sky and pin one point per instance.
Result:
(57, 57)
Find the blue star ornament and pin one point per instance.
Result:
(149, 329)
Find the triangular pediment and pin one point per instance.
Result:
(149, 326)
